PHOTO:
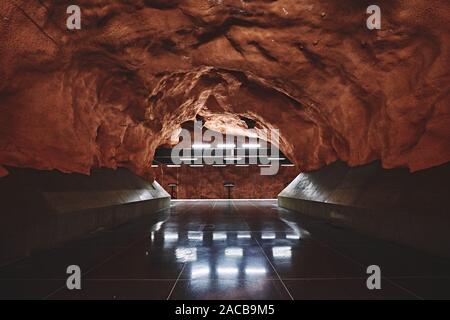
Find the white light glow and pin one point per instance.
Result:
(200, 271)
(276, 159)
(255, 271)
(201, 146)
(251, 146)
(293, 236)
(196, 166)
(188, 159)
(282, 252)
(232, 159)
(227, 271)
(155, 166)
(195, 235)
(219, 236)
(288, 165)
(186, 254)
(268, 236)
(173, 166)
(226, 146)
(242, 165)
(170, 236)
(244, 236)
(234, 252)
(158, 226)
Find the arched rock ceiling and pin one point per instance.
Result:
(109, 94)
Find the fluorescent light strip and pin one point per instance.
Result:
(226, 146)
(155, 166)
(173, 166)
(288, 165)
(251, 146)
(276, 159)
(196, 166)
(201, 146)
(268, 236)
(293, 236)
(244, 236)
(242, 165)
(221, 200)
(219, 165)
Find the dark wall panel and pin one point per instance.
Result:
(409, 208)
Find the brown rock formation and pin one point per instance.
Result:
(109, 94)
(208, 182)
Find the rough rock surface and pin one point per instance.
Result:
(208, 182)
(108, 95)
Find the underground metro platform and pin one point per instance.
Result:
(228, 250)
(225, 249)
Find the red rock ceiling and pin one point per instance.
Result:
(111, 93)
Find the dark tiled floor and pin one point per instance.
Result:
(227, 250)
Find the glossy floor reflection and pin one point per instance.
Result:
(227, 250)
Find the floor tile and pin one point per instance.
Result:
(343, 289)
(230, 290)
(117, 290)
(427, 288)
(140, 262)
(27, 289)
(310, 260)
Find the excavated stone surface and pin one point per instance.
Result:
(108, 95)
(208, 182)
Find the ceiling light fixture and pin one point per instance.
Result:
(251, 146)
(188, 159)
(226, 146)
(201, 146)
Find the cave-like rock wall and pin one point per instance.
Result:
(208, 182)
(109, 94)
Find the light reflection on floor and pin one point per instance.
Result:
(227, 250)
